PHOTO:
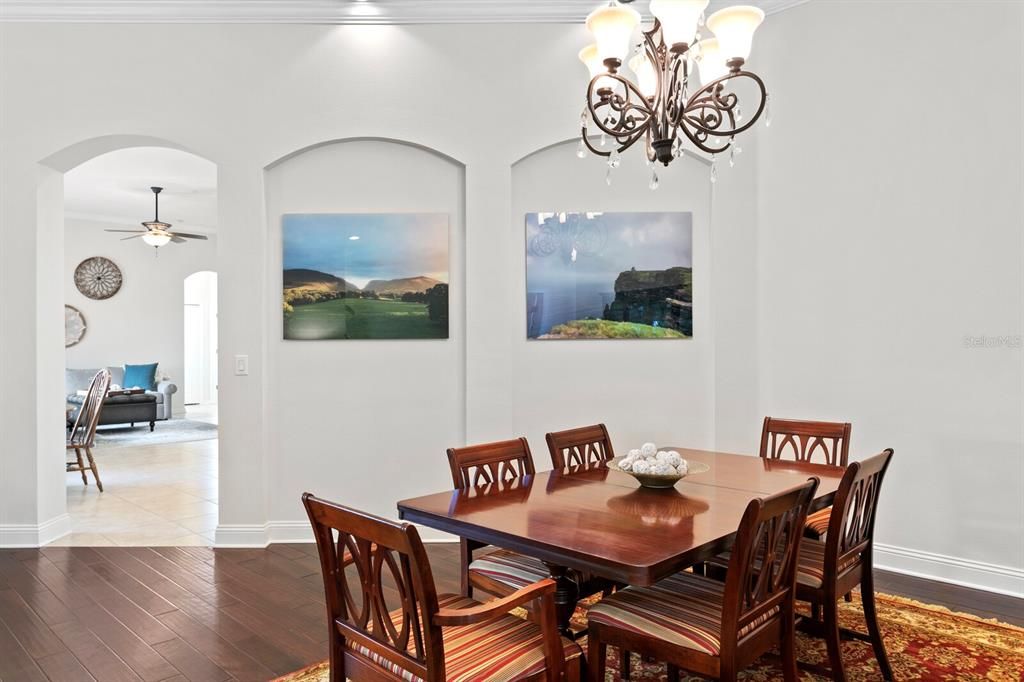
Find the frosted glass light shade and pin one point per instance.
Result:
(157, 239)
(613, 27)
(734, 27)
(591, 60)
(711, 63)
(646, 74)
(678, 18)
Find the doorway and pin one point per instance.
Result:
(200, 345)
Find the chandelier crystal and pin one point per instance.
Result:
(665, 103)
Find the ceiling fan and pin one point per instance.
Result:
(157, 233)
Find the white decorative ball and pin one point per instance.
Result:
(626, 464)
(673, 458)
(648, 449)
(661, 456)
(641, 467)
(634, 453)
(682, 468)
(662, 469)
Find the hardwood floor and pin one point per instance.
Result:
(192, 613)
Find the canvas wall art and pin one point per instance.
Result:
(365, 276)
(609, 275)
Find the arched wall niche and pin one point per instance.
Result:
(357, 420)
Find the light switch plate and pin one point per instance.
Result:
(241, 365)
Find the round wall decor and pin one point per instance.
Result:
(74, 326)
(98, 277)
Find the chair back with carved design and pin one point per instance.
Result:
(580, 447)
(83, 433)
(382, 556)
(851, 528)
(501, 462)
(760, 585)
(803, 440)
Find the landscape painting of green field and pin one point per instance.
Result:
(365, 276)
(609, 275)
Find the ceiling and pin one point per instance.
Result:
(114, 188)
(324, 11)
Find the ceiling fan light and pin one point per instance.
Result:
(156, 239)
(734, 27)
(678, 18)
(612, 26)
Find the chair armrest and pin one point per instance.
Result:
(496, 607)
(166, 387)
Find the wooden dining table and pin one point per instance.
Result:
(599, 521)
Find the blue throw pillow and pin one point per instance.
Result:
(143, 376)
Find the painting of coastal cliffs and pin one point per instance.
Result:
(365, 276)
(609, 275)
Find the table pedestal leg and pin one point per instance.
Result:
(567, 593)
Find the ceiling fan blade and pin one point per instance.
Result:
(136, 231)
(133, 237)
(178, 240)
(188, 235)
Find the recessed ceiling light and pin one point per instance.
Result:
(354, 238)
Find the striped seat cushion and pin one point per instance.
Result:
(500, 650)
(684, 610)
(811, 564)
(818, 521)
(509, 568)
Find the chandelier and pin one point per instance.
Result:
(666, 103)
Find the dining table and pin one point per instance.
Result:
(596, 520)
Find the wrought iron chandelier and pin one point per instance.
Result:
(665, 103)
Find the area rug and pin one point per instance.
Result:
(165, 432)
(925, 643)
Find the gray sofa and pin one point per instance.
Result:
(78, 380)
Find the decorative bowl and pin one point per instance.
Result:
(662, 481)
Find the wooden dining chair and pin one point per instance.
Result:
(827, 570)
(803, 441)
(82, 436)
(427, 636)
(708, 627)
(502, 463)
(580, 447)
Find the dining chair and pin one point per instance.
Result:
(827, 570)
(708, 627)
(426, 636)
(802, 441)
(83, 433)
(503, 463)
(580, 447)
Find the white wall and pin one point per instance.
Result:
(144, 321)
(846, 256)
(889, 229)
(200, 339)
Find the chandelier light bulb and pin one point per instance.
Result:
(710, 63)
(734, 27)
(612, 26)
(678, 18)
(646, 74)
(591, 60)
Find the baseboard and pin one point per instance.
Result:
(26, 535)
(256, 535)
(949, 569)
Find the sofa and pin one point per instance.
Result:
(129, 409)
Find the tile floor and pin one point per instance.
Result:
(157, 495)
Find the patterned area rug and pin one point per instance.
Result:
(177, 430)
(925, 642)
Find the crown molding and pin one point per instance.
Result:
(317, 11)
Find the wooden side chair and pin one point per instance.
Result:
(426, 636)
(803, 441)
(580, 447)
(708, 627)
(83, 433)
(827, 570)
(502, 571)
